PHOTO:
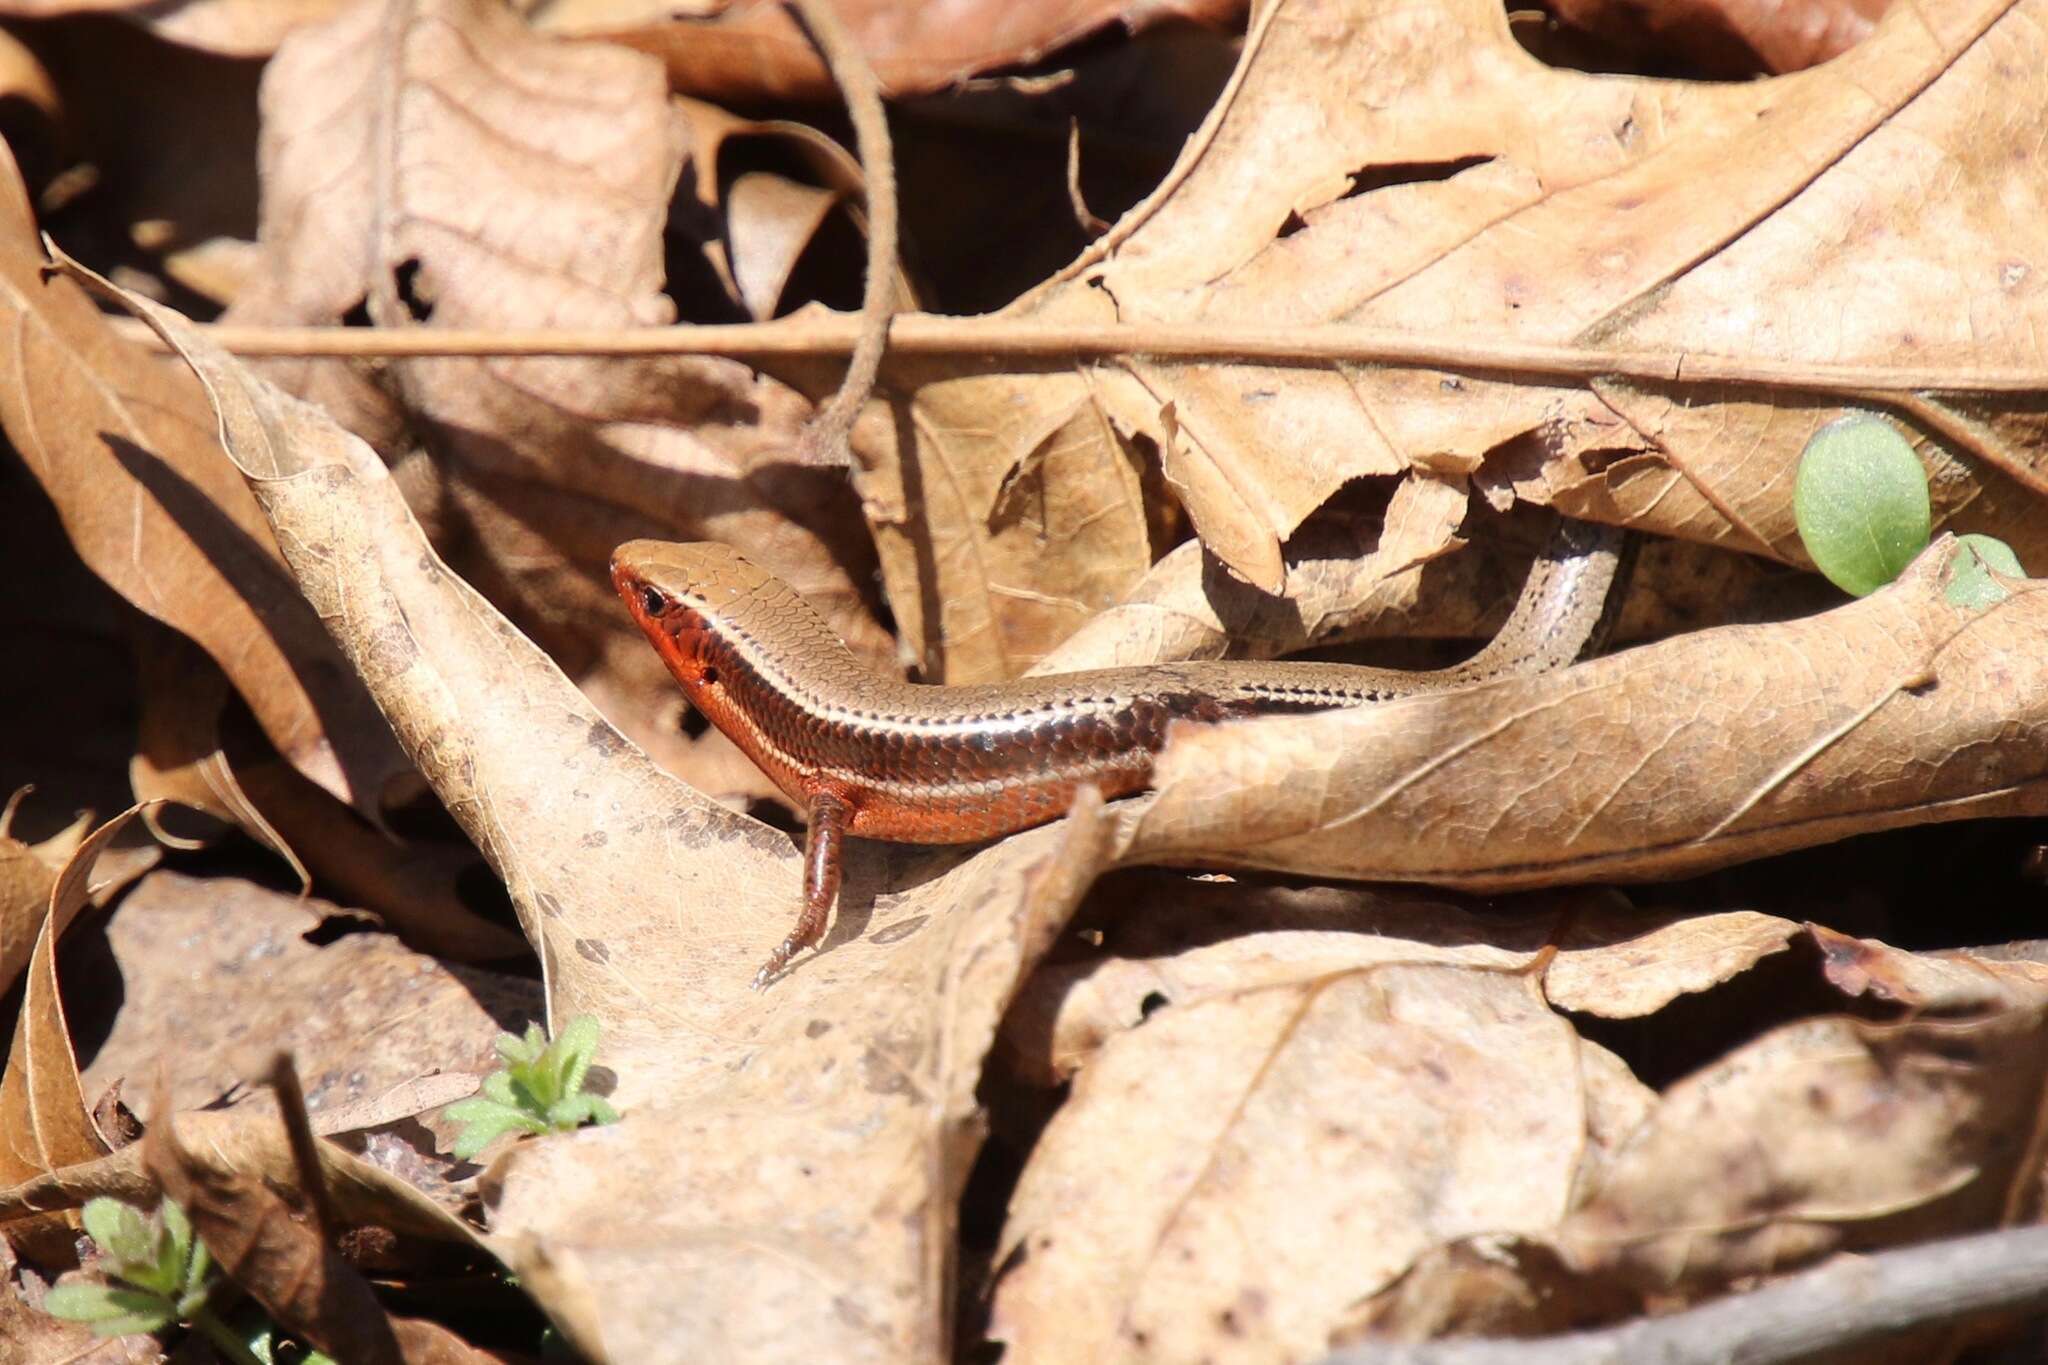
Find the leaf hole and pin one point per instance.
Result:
(334, 928)
(1372, 178)
(403, 279)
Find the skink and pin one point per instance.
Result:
(867, 755)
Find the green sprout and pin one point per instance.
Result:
(162, 1275)
(1861, 503)
(539, 1091)
(1970, 583)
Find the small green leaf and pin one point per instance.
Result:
(525, 1051)
(1861, 502)
(540, 1090)
(498, 1087)
(477, 1108)
(576, 1046)
(161, 1274)
(157, 1257)
(118, 1229)
(177, 1228)
(484, 1121)
(111, 1311)
(1970, 583)
(171, 1271)
(198, 1268)
(573, 1111)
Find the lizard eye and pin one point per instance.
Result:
(651, 601)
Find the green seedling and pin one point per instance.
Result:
(1861, 503)
(1970, 583)
(161, 1275)
(539, 1091)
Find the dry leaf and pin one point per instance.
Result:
(125, 448)
(238, 28)
(33, 1337)
(306, 1286)
(24, 78)
(44, 1122)
(1697, 752)
(217, 975)
(178, 746)
(1183, 610)
(803, 1208)
(25, 884)
(253, 1146)
(1181, 942)
(1834, 1132)
(1223, 1182)
(1494, 200)
(568, 156)
(1828, 1134)
(742, 53)
(1735, 37)
(415, 889)
(772, 220)
(1623, 185)
(1486, 1286)
(1021, 512)
(1339, 589)
(650, 908)
(1628, 974)
(769, 219)
(1963, 982)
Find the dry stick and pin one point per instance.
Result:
(990, 340)
(1848, 1303)
(997, 338)
(827, 440)
(1084, 217)
(305, 1148)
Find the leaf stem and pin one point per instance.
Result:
(224, 1340)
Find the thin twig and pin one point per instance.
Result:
(1084, 217)
(305, 1148)
(828, 438)
(1000, 338)
(1852, 1302)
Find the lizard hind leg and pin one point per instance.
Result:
(824, 846)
